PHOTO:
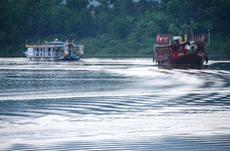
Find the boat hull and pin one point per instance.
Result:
(52, 58)
(76, 57)
(191, 59)
(44, 58)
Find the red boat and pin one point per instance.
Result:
(172, 50)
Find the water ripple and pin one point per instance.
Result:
(113, 104)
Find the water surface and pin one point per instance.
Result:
(113, 104)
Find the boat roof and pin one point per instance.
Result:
(51, 44)
(43, 46)
(55, 43)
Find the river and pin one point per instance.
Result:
(113, 104)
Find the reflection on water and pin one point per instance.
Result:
(113, 104)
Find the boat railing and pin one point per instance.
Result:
(163, 39)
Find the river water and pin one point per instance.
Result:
(113, 104)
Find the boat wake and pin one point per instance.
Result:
(123, 104)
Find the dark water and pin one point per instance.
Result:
(113, 104)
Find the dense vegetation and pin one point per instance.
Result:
(115, 26)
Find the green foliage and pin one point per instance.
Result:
(120, 27)
(114, 26)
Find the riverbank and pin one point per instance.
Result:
(109, 46)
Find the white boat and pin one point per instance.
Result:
(55, 50)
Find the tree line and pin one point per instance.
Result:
(113, 26)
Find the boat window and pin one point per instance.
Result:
(41, 50)
(37, 52)
(49, 50)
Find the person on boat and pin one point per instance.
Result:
(176, 39)
(206, 57)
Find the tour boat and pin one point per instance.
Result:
(55, 50)
(172, 50)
